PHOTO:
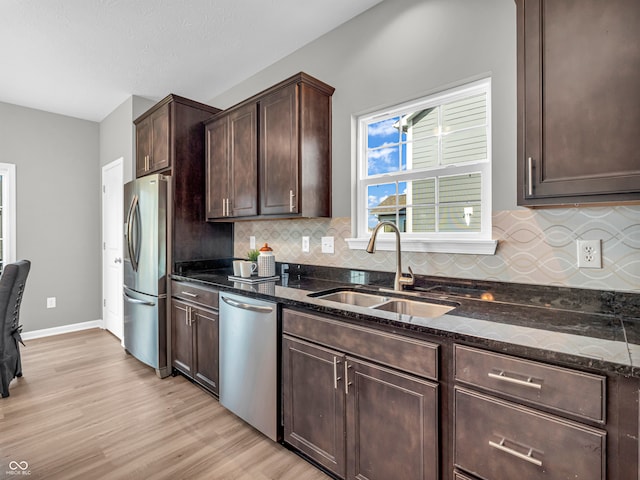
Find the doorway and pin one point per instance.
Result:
(112, 234)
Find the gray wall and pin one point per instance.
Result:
(400, 50)
(58, 212)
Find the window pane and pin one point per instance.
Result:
(383, 160)
(383, 133)
(453, 218)
(464, 146)
(421, 212)
(460, 203)
(423, 153)
(421, 219)
(465, 113)
(460, 188)
(421, 192)
(386, 204)
(381, 203)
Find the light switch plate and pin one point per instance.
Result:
(305, 244)
(327, 244)
(252, 242)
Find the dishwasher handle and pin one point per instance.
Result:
(247, 306)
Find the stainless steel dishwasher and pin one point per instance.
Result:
(249, 361)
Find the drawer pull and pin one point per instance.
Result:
(528, 457)
(525, 383)
(189, 294)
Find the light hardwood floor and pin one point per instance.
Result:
(84, 409)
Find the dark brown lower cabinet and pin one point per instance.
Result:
(392, 424)
(195, 343)
(496, 439)
(357, 419)
(314, 402)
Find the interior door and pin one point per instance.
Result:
(112, 225)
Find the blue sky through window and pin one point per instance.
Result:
(386, 153)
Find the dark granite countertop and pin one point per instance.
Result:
(595, 330)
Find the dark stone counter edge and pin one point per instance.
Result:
(298, 297)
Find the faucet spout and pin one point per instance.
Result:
(400, 280)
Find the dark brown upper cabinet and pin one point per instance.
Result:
(578, 102)
(232, 163)
(162, 131)
(152, 141)
(174, 127)
(278, 164)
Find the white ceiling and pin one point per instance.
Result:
(83, 58)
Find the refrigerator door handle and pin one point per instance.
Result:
(128, 232)
(135, 300)
(134, 221)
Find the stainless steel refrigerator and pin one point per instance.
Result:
(145, 271)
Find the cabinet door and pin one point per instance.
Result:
(160, 140)
(314, 402)
(143, 147)
(243, 128)
(153, 142)
(217, 148)
(181, 337)
(205, 331)
(578, 70)
(279, 152)
(392, 424)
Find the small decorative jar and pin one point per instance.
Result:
(266, 262)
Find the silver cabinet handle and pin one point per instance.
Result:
(189, 294)
(335, 373)
(528, 457)
(530, 175)
(524, 383)
(247, 306)
(228, 209)
(346, 377)
(291, 196)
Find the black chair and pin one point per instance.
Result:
(12, 281)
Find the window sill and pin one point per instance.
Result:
(471, 247)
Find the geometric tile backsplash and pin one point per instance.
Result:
(534, 247)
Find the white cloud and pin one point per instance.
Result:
(382, 128)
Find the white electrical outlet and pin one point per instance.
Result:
(305, 244)
(51, 302)
(589, 254)
(327, 244)
(252, 242)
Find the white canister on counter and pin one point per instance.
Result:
(266, 262)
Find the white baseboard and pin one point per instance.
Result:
(47, 332)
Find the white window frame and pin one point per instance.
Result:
(444, 242)
(8, 172)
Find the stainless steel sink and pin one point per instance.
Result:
(415, 309)
(360, 299)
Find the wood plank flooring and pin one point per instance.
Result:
(84, 409)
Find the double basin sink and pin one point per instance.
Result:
(380, 302)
